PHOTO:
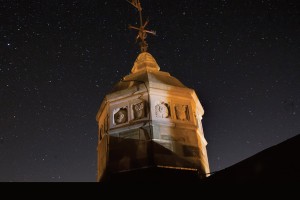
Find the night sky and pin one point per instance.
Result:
(59, 58)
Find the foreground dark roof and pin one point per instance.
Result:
(277, 164)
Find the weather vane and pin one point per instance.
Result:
(142, 34)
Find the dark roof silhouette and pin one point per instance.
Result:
(277, 164)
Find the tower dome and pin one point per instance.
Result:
(145, 61)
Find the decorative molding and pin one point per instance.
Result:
(162, 110)
(120, 116)
(139, 110)
(182, 112)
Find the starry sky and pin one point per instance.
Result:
(59, 58)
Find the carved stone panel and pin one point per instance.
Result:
(121, 116)
(182, 112)
(139, 110)
(162, 110)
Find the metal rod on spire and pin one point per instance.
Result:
(142, 34)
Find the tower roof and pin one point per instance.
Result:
(146, 70)
(145, 61)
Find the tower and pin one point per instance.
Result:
(150, 126)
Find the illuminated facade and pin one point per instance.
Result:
(150, 120)
(150, 124)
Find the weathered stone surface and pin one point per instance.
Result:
(150, 119)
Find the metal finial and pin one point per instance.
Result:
(142, 34)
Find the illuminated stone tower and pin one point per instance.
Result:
(150, 126)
